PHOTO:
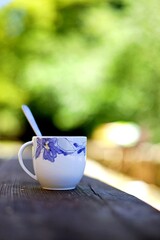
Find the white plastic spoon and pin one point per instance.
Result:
(31, 120)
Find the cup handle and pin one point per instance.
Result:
(20, 158)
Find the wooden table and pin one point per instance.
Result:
(92, 211)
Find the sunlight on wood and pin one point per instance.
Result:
(146, 192)
(9, 149)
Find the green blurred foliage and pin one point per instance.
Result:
(80, 63)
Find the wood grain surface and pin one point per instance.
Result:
(93, 210)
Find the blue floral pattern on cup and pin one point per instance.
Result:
(51, 147)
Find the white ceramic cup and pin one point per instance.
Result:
(58, 162)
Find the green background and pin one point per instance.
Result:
(78, 64)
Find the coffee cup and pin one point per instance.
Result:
(58, 161)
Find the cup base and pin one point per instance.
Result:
(54, 188)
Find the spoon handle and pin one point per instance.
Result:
(31, 120)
